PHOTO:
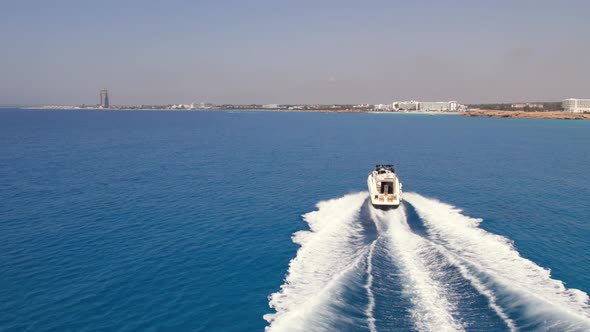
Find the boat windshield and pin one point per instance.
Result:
(381, 169)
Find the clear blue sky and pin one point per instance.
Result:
(157, 52)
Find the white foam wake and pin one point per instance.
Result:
(478, 285)
(432, 310)
(369, 288)
(496, 269)
(329, 250)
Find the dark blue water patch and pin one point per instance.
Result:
(370, 231)
(414, 221)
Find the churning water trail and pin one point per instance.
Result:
(330, 283)
(521, 292)
(479, 286)
(432, 310)
(333, 247)
(369, 288)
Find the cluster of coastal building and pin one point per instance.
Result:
(398, 106)
(410, 106)
(428, 106)
(571, 105)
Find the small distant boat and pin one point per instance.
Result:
(385, 189)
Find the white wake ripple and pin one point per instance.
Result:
(432, 310)
(369, 288)
(331, 249)
(335, 257)
(496, 269)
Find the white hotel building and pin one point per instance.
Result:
(574, 105)
(441, 106)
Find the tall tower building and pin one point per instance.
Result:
(104, 98)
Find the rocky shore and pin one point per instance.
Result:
(527, 115)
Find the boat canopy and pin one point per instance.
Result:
(383, 168)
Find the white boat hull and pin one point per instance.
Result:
(381, 200)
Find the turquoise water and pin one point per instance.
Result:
(189, 221)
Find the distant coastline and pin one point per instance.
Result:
(527, 115)
(315, 110)
(556, 115)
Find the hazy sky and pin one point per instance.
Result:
(158, 52)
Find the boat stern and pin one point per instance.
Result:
(385, 201)
(390, 194)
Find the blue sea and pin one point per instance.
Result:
(251, 220)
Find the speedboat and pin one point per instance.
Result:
(385, 189)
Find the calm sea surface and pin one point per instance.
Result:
(188, 221)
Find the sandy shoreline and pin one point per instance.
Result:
(527, 115)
